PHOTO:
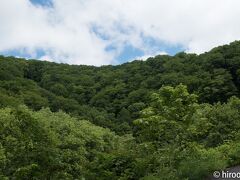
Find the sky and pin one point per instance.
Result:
(95, 32)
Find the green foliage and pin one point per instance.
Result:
(58, 121)
(27, 145)
(213, 76)
(215, 124)
(187, 139)
(170, 112)
(199, 162)
(49, 145)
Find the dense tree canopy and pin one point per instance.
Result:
(170, 117)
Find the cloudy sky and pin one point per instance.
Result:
(100, 32)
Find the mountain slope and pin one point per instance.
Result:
(112, 96)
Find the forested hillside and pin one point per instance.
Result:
(170, 117)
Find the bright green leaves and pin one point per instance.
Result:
(214, 124)
(192, 140)
(174, 103)
(49, 145)
(169, 114)
(26, 143)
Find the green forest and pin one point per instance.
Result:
(166, 118)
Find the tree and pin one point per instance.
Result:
(167, 117)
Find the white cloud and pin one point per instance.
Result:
(146, 56)
(67, 32)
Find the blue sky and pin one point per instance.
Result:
(105, 32)
(131, 53)
(42, 2)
